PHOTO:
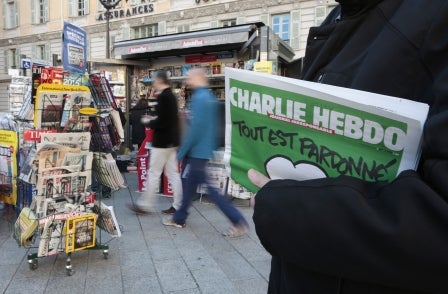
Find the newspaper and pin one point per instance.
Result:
(302, 130)
(80, 140)
(52, 238)
(106, 219)
(107, 172)
(25, 227)
(53, 158)
(83, 159)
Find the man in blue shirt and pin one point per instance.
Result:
(197, 148)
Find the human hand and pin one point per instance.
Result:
(257, 178)
(145, 119)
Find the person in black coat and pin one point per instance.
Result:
(138, 128)
(164, 146)
(344, 235)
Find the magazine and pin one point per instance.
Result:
(56, 104)
(80, 232)
(303, 130)
(28, 167)
(8, 166)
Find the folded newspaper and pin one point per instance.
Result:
(292, 129)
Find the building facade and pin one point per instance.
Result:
(32, 29)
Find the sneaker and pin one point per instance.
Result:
(171, 222)
(236, 231)
(137, 209)
(170, 210)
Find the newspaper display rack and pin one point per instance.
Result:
(71, 145)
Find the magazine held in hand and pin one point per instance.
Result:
(293, 129)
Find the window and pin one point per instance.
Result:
(10, 14)
(280, 26)
(145, 31)
(228, 23)
(41, 52)
(39, 11)
(78, 8)
(183, 28)
(13, 58)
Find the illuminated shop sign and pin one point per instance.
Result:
(192, 43)
(138, 49)
(127, 12)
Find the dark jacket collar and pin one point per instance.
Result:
(354, 7)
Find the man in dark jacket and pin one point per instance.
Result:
(343, 235)
(165, 143)
(135, 116)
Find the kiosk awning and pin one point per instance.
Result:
(227, 38)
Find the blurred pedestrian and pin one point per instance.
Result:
(197, 149)
(165, 143)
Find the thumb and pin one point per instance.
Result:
(257, 178)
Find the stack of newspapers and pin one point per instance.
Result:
(107, 172)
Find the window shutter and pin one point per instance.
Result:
(34, 51)
(264, 18)
(6, 61)
(17, 58)
(214, 24)
(125, 33)
(34, 19)
(86, 7)
(100, 6)
(5, 17)
(161, 29)
(295, 29)
(46, 11)
(47, 52)
(240, 20)
(71, 8)
(319, 14)
(16, 15)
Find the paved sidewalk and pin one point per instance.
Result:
(148, 258)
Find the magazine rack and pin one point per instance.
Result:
(64, 215)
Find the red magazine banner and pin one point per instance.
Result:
(35, 135)
(200, 58)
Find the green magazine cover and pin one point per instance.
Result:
(292, 129)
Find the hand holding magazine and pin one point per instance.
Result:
(302, 130)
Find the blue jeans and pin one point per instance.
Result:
(193, 174)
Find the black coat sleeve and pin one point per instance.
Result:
(166, 110)
(392, 234)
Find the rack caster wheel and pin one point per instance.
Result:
(33, 264)
(106, 254)
(70, 271)
(68, 266)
